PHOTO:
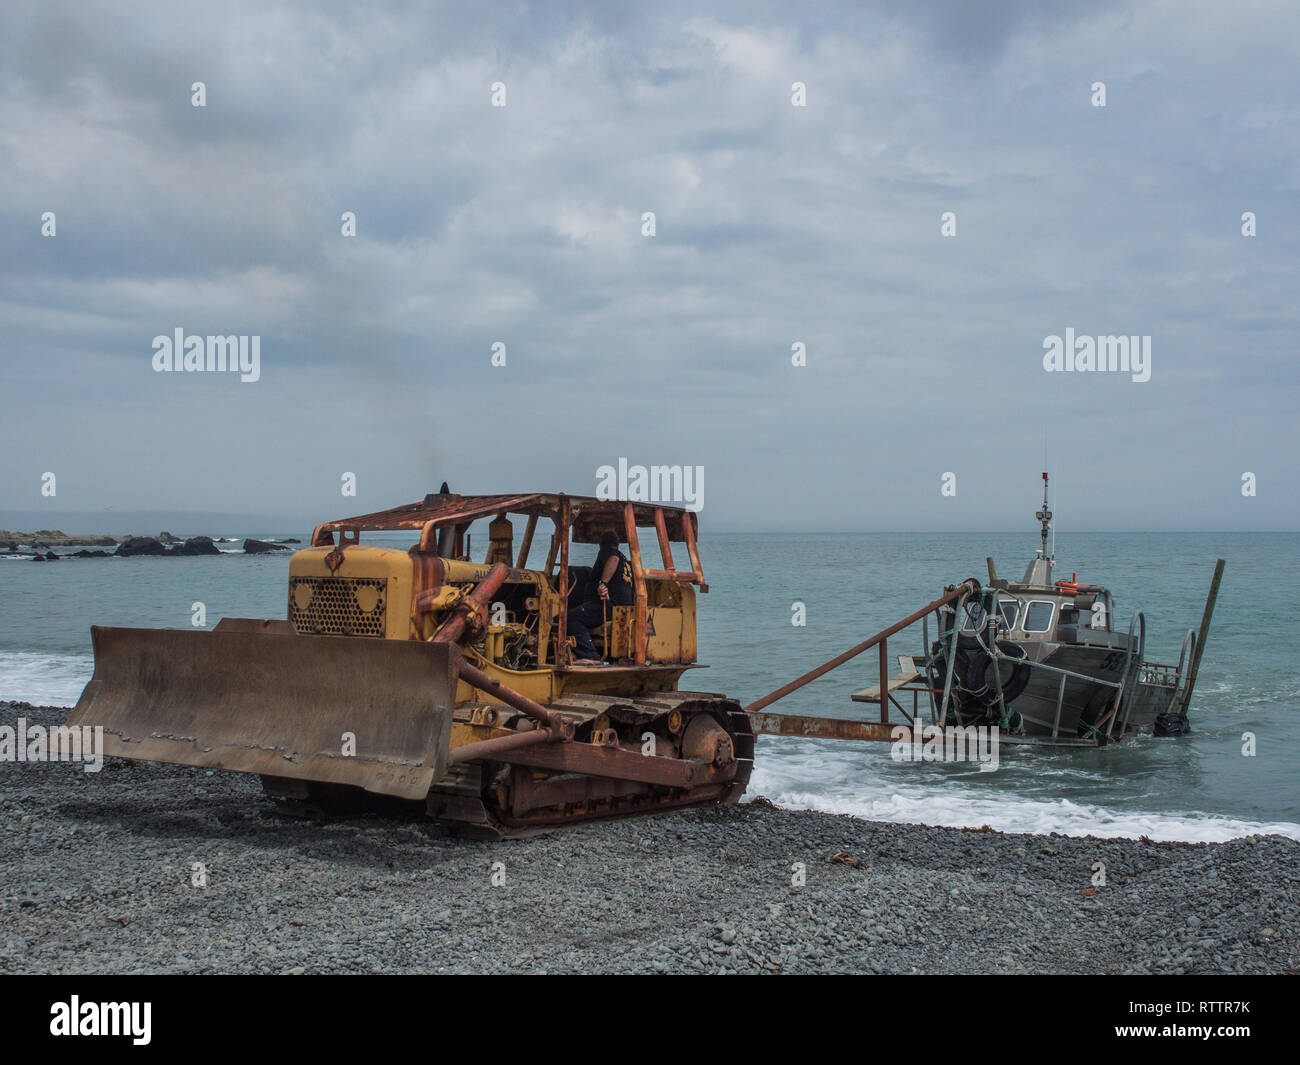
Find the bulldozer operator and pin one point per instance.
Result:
(611, 586)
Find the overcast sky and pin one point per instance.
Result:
(775, 224)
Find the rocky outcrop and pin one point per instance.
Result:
(45, 539)
(257, 547)
(196, 545)
(152, 545)
(135, 546)
(141, 545)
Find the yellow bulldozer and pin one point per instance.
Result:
(424, 676)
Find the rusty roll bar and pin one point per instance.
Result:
(970, 586)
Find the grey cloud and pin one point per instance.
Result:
(774, 225)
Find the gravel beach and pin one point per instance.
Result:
(97, 876)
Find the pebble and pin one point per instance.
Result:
(99, 881)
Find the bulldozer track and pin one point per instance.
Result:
(470, 802)
(480, 800)
(477, 799)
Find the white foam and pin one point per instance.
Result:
(44, 679)
(1026, 816)
(784, 778)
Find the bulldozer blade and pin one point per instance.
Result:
(278, 705)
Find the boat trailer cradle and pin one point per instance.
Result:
(551, 744)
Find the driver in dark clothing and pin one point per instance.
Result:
(611, 586)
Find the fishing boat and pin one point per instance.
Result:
(1043, 657)
(1040, 660)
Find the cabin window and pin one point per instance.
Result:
(975, 616)
(1038, 616)
(1010, 611)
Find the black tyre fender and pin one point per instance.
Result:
(967, 679)
(971, 668)
(1014, 685)
(976, 668)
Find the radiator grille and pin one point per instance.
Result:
(338, 606)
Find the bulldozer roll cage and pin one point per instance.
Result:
(443, 520)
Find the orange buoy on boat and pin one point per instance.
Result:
(1070, 587)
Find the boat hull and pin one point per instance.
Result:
(1083, 704)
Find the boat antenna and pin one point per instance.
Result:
(1044, 517)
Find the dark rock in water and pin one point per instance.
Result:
(1172, 725)
(293, 540)
(153, 545)
(83, 553)
(167, 538)
(141, 545)
(50, 556)
(38, 557)
(257, 547)
(196, 545)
